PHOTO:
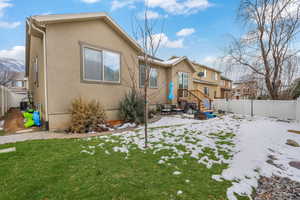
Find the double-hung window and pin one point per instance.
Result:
(153, 79)
(101, 65)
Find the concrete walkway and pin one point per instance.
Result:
(44, 135)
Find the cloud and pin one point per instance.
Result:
(163, 40)
(150, 15)
(4, 4)
(9, 24)
(90, 1)
(4, 24)
(117, 4)
(185, 32)
(210, 60)
(17, 52)
(176, 7)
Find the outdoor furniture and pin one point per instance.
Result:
(166, 109)
(176, 110)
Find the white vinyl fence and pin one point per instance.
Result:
(267, 108)
(9, 99)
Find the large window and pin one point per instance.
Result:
(101, 65)
(153, 81)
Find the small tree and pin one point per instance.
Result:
(150, 43)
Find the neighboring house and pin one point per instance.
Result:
(19, 83)
(226, 88)
(88, 55)
(245, 90)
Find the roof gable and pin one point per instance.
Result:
(43, 20)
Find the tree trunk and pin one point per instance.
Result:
(146, 114)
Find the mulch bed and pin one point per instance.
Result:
(14, 121)
(277, 188)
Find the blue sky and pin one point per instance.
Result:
(206, 24)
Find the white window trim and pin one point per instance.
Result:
(102, 64)
(140, 78)
(153, 87)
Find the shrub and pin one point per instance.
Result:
(132, 108)
(86, 116)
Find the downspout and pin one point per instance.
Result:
(31, 25)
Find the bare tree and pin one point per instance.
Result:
(6, 76)
(266, 48)
(144, 31)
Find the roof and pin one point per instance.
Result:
(169, 63)
(225, 78)
(42, 20)
(204, 66)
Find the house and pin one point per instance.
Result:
(19, 83)
(89, 55)
(245, 89)
(226, 87)
(207, 80)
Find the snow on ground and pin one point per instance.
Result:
(247, 142)
(256, 142)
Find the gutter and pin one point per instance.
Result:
(31, 25)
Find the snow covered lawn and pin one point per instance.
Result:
(242, 146)
(186, 159)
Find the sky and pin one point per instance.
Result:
(199, 29)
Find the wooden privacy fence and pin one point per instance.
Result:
(268, 108)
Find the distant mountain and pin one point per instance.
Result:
(11, 64)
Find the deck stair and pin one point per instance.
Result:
(197, 97)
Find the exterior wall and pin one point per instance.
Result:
(209, 73)
(215, 84)
(158, 95)
(36, 50)
(64, 68)
(173, 76)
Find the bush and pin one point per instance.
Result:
(86, 116)
(132, 108)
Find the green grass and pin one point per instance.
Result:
(2, 132)
(55, 169)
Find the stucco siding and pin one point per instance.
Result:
(64, 68)
(181, 67)
(38, 92)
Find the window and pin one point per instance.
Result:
(153, 78)
(206, 91)
(18, 84)
(183, 83)
(153, 81)
(101, 65)
(214, 76)
(204, 72)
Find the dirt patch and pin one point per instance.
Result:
(14, 121)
